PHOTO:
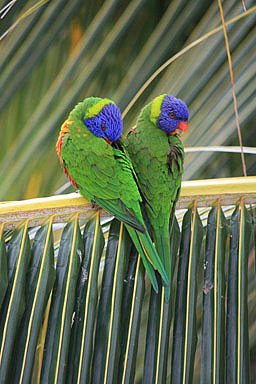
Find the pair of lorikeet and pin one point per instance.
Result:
(136, 178)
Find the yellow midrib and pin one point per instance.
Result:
(113, 301)
(131, 318)
(188, 291)
(215, 293)
(160, 334)
(239, 291)
(13, 288)
(65, 299)
(87, 295)
(35, 297)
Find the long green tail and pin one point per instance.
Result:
(149, 256)
(162, 243)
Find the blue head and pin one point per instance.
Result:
(104, 120)
(173, 115)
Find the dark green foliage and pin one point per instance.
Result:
(107, 333)
(159, 320)
(185, 327)
(63, 299)
(18, 258)
(132, 301)
(39, 283)
(213, 327)
(81, 343)
(96, 338)
(237, 304)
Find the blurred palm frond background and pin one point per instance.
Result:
(65, 51)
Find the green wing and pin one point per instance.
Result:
(158, 162)
(101, 177)
(159, 176)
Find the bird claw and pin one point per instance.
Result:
(93, 203)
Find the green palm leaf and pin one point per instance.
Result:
(237, 319)
(86, 337)
(13, 307)
(213, 327)
(81, 344)
(40, 280)
(107, 336)
(62, 304)
(132, 301)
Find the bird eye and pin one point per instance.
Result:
(103, 127)
(172, 115)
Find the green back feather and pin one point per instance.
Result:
(149, 148)
(159, 174)
(101, 176)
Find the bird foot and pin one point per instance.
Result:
(93, 203)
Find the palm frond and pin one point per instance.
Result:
(104, 337)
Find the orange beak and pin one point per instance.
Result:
(183, 126)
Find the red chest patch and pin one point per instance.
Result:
(64, 130)
(70, 178)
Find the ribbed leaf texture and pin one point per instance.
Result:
(107, 334)
(81, 345)
(159, 322)
(185, 327)
(237, 306)
(18, 258)
(39, 283)
(213, 328)
(92, 318)
(54, 367)
(132, 301)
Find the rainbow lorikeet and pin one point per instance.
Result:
(157, 154)
(99, 166)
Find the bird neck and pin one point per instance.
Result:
(175, 141)
(144, 116)
(79, 111)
